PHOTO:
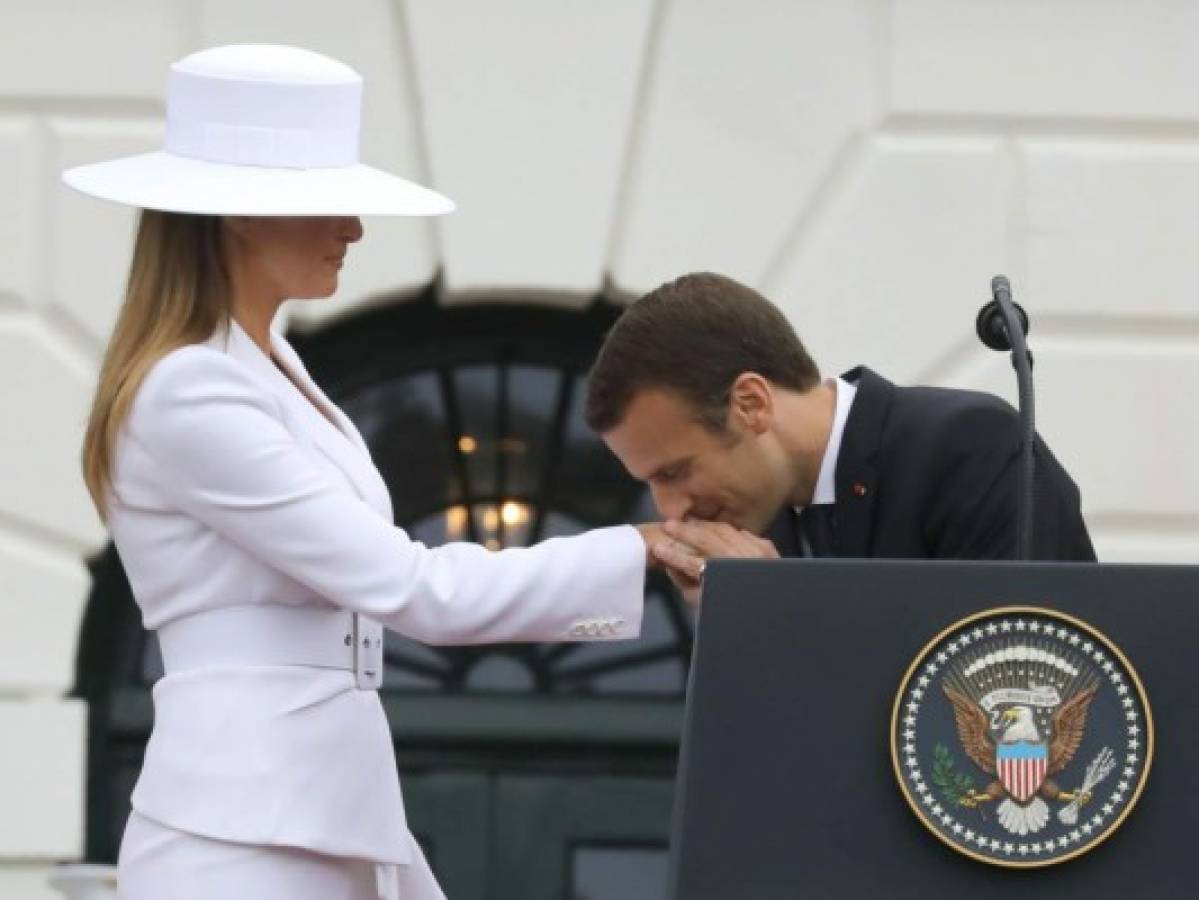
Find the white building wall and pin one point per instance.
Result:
(868, 164)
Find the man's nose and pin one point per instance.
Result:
(672, 504)
(350, 228)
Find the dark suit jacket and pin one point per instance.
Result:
(931, 473)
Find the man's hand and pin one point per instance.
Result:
(688, 546)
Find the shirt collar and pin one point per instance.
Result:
(826, 481)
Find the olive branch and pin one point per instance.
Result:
(952, 784)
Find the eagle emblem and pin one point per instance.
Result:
(1019, 730)
(1021, 736)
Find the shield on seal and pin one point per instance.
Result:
(1021, 767)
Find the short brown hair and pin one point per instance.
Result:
(694, 336)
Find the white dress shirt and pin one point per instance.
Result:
(825, 492)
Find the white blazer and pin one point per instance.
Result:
(231, 489)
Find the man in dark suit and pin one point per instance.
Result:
(703, 390)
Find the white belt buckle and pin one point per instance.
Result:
(368, 653)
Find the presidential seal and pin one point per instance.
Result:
(1021, 737)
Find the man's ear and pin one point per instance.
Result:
(751, 401)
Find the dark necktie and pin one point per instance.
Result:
(819, 527)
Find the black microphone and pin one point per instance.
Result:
(990, 324)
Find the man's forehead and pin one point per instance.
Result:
(659, 414)
(658, 429)
(658, 401)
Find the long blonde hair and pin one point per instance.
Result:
(178, 292)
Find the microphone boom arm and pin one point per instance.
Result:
(1001, 325)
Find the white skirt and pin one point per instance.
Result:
(161, 863)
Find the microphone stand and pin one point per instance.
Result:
(1001, 325)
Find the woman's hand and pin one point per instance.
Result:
(654, 536)
(683, 549)
(682, 563)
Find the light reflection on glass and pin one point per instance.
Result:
(505, 525)
(455, 523)
(514, 514)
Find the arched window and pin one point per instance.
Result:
(473, 415)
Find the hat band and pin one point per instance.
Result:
(248, 122)
(249, 145)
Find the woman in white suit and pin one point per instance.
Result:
(254, 527)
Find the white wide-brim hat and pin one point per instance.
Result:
(259, 130)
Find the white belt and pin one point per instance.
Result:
(275, 635)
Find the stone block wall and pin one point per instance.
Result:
(868, 164)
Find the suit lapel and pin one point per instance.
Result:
(857, 474)
(341, 444)
(299, 374)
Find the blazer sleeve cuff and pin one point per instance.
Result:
(619, 617)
